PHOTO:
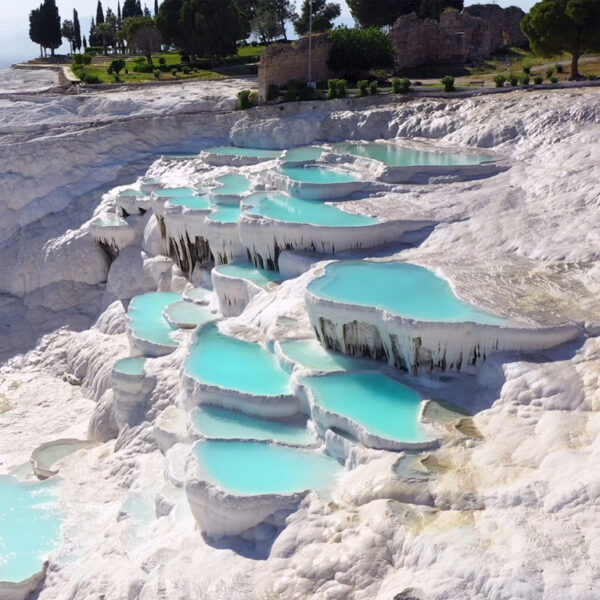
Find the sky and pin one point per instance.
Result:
(15, 45)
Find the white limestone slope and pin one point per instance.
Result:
(507, 507)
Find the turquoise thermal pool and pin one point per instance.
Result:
(381, 405)
(396, 156)
(196, 294)
(261, 277)
(29, 526)
(310, 354)
(131, 193)
(188, 314)
(318, 175)
(134, 366)
(146, 318)
(219, 360)
(303, 154)
(281, 207)
(254, 468)
(176, 192)
(215, 422)
(251, 152)
(401, 288)
(226, 214)
(192, 202)
(231, 185)
(109, 221)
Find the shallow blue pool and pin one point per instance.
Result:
(317, 175)
(311, 354)
(401, 288)
(30, 525)
(396, 156)
(146, 318)
(193, 202)
(188, 314)
(252, 468)
(226, 214)
(296, 210)
(251, 152)
(219, 360)
(260, 277)
(303, 154)
(381, 405)
(231, 185)
(217, 422)
(134, 365)
(175, 192)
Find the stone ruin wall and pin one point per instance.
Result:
(459, 37)
(281, 63)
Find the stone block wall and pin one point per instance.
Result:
(281, 63)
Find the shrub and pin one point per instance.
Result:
(524, 79)
(405, 85)
(126, 71)
(448, 83)
(162, 60)
(373, 88)
(140, 60)
(95, 50)
(116, 78)
(513, 79)
(395, 85)
(538, 79)
(91, 79)
(342, 88)
(358, 50)
(527, 69)
(500, 80)
(306, 93)
(559, 68)
(143, 68)
(117, 65)
(156, 74)
(247, 99)
(549, 72)
(592, 77)
(363, 87)
(174, 72)
(272, 92)
(187, 70)
(554, 79)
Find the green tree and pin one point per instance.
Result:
(155, 7)
(105, 34)
(68, 32)
(572, 26)
(99, 14)
(265, 23)
(323, 15)
(167, 21)
(143, 36)
(35, 28)
(77, 31)
(356, 51)
(132, 8)
(50, 26)
(381, 13)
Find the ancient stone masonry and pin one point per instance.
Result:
(473, 34)
(281, 63)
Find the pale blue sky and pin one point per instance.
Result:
(14, 39)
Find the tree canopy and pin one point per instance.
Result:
(555, 26)
(356, 51)
(77, 31)
(45, 26)
(132, 8)
(270, 17)
(323, 15)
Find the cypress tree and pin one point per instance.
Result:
(85, 45)
(119, 11)
(99, 14)
(50, 23)
(155, 7)
(35, 28)
(77, 27)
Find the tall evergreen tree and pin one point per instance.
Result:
(77, 28)
(68, 32)
(50, 22)
(155, 7)
(35, 28)
(132, 8)
(84, 42)
(99, 14)
(119, 10)
(147, 12)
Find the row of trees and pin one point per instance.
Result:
(383, 13)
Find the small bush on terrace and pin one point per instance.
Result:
(116, 66)
(500, 80)
(559, 68)
(272, 92)
(363, 88)
(554, 79)
(91, 79)
(337, 88)
(538, 79)
(527, 69)
(549, 72)
(513, 79)
(156, 74)
(592, 77)
(401, 86)
(247, 99)
(448, 83)
(373, 88)
(524, 79)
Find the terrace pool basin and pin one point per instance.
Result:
(318, 175)
(133, 366)
(250, 152)
(231, 185)
(397, 156)
(383, 406)
(403, 289)
(188, 314)
(303, 154)
(192, 202)
(255, 468)
(311, 354)
(225, 214)
(30, 526)
(219, 360)
(175, 192)
(216, 422)
(146, 319)
(260, 277)
(197, 295)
